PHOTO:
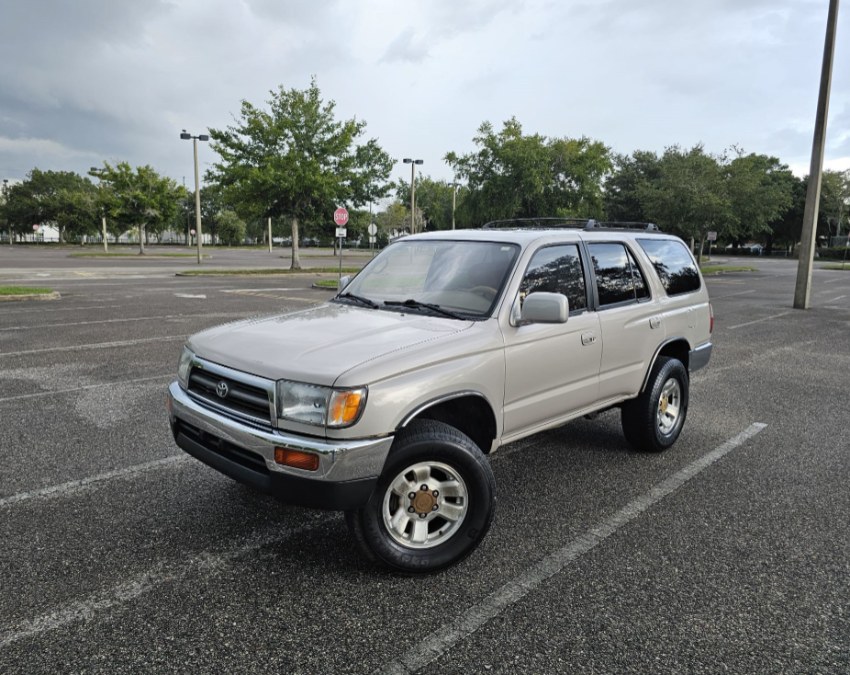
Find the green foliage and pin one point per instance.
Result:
(433, 199)
(231, 228)
(61, 198)
(632, 175)
(514, 175)
(295, 160)
(760, 190)
(139, 198)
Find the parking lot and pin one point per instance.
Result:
(122, 554)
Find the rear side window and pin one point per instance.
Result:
(618, 278)
(674, 265)
(557, 269)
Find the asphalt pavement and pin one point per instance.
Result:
(728, 553)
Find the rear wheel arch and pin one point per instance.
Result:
(674, 348)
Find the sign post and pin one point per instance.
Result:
(340, 219)
(711, 237)
(373, 230)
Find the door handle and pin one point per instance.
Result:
(588, 338)
(654, 321)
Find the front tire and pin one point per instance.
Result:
(433, 503)
(653, 421)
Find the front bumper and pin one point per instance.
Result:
(345, 479)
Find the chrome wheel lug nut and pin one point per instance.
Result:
(412, 495)
(422, 515)
(436, 493)
(424, 488)
(410, 509)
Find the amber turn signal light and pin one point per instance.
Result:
(296, 459)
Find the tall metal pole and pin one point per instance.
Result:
(197, 200)
(454, 203)
(803, 290)
(6, 207)
(412, 198)
(103, 222)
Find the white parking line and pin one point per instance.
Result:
(443, 639)
(75, 486)
(97, 345)
(730, 295)
(40, 394)
(212, 315)
(764, 318)
(207, 562)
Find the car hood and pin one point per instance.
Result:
(318, 345)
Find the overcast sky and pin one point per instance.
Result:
(89, 81)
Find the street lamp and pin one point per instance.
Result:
(202, 137)
(413, 163)
(94, 171)
(6, 207)
(455, 186)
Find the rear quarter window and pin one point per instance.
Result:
(673, 263)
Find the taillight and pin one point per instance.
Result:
(711, 320)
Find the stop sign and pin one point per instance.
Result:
(341, 216)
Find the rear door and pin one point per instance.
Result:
(552, 369)
(630, 323)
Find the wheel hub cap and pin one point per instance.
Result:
(424, 501)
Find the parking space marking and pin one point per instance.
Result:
(212, 315)
(208, 562)
(97, 345)
(833, 281)
(764, 318)
(730, 295)
(40, 394)
(79, 308)
(443, 639)
(75, 486)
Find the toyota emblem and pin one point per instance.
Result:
(222, 389)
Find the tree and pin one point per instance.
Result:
(62, 198)
(433, 197)
(760, 190)
(392, 219)
(632, 174)
(295, 160)
(834, 206)
(231, 228)
(689, 196)
(512, 175)
(141, 198)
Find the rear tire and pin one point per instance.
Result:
(653, 421)
(432, 505)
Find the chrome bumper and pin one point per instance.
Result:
(339, 460)
(699, 357)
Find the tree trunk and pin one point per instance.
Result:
(296, 261)
(701, 246)
(142, 234)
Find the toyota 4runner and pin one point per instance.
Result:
(385, 401)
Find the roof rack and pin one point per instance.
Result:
(573, 223)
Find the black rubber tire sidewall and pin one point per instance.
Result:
(427, 440)
(639, 416)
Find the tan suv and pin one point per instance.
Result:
(386, 401)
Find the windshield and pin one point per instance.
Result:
(460, 277)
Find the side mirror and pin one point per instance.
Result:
(545, 308)
(343, 282)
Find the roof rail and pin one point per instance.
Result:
(537, 223)
(620, 225)
(572, 223)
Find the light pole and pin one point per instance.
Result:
(201, 137)
(455, 186)
(6, 207)
(94, 171)
(413, 163)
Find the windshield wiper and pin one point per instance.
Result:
(358, 298)
(415, 304)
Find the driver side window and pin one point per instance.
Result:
(557, 269)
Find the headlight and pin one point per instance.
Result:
(319, 406)
(184, 366)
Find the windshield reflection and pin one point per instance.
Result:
(463, 277)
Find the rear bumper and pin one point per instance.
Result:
(699, 357)
(345, 479)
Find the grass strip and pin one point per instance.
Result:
(720, 269)
(24, 290)
(268, 271)
(135, 255)
(845, 267)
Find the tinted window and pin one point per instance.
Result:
(674, 265)
(557, 269)
(618, 278)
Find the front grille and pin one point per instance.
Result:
(243, 400)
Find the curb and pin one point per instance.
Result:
(31, 296)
